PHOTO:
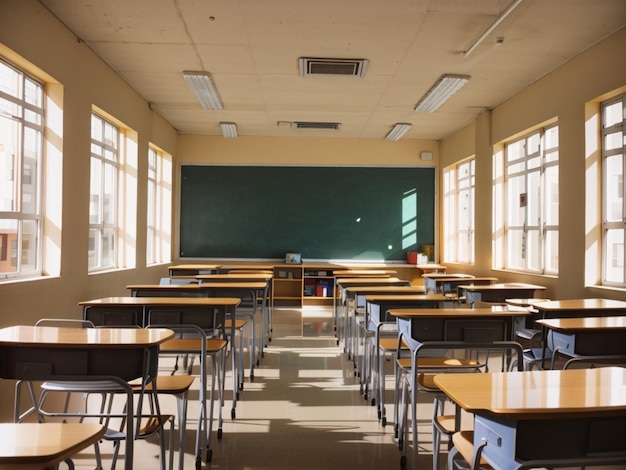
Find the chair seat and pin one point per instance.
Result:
(464, 443)
(167, 384)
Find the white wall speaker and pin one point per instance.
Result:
(426, 155)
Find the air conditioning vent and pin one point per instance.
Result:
(312, 67)
(332, 126)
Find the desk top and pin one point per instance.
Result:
(447, 276)
(495, 312)
(525, 302)
(431, 267)
(51, 336)
(191, 267)
(235, 277)
(579, 304)
(380, 298)
(386, 289)
(164, 301)
(365, 281)
(43, 445)
(539, 393)
(584, 323)
(363, 272)
(192, 287)
(503, 286)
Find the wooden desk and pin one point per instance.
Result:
(117, 354)
(191, 269)
(449, 284)
(585, 337)
(193, 310)
(44, 445)
(342, 309)
(499, 292)
(353, 273)
(428, 331)
(579, 308)
(431, 268)
(376, 307)
(544, 416)
(569, 308)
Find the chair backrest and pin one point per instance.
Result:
(65, 322)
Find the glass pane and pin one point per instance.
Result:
(108, 248)
(8, 244)
(95, 203)
(533, 251)
(30, 172)
(515, 249)
(614, 140)
(533, 199)
(33, 93)
(30, 244)
(109, 202)
(514, 150)
(10, 80)
(613, 114)
(9, 139)
(552, 251)
(551, 188)
(533, 144)
(614, 256)
(551, 138)
(613, 184)
(94, 248)
(516, 214)
(96, 128)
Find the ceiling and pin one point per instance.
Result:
(251, 49)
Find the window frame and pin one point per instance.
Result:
(608, 224)
(29, 119)
(159, 208)
(529, 215)
(456, 183)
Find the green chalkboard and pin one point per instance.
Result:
(324, 213)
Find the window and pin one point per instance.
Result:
(458, 200)
(530, 203)
(158, 235)
(112, 203)
(613, 114)
(22, 99)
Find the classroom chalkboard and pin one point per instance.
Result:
(324, 213)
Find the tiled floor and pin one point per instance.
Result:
(304, 410)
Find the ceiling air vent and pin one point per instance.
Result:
(329, 126)
(312, 67)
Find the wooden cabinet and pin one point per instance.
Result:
(312, 284)
(287, 285)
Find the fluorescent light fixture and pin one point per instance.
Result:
(493, 26)
(441, 92)
(229, 129)
(398, 131)
(203, 88)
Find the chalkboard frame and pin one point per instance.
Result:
(348, 213)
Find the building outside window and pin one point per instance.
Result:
(613, 116)
(22, 99)
(458, 212)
